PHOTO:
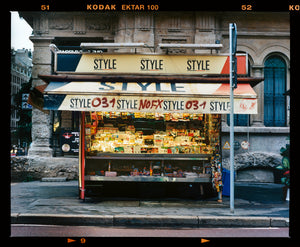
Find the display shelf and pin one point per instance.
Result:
(206, 179)
(114, 156)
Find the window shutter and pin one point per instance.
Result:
(274, 88)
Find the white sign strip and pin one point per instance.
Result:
(157, 104)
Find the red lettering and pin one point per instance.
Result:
(195, 104)
(243, 106)
(203, 104)
(252, 105)
(113, 101)
(154, 104)
(104, 102)
(159, 104)
(98, 102)
(144, 104)
(188, 104)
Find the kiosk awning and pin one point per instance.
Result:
(160, 97)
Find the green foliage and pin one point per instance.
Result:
(285, 165)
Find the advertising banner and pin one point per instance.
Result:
(150, 88)
(166, 97)
(149, 104)
(91, 63)
(69, 141)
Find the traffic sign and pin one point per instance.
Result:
(245, 145)
(26, 106)
(25, 96)
(226, 145)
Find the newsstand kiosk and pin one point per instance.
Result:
(148, 118)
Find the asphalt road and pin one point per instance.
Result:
(94, 231)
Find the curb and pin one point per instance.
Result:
(149, 220)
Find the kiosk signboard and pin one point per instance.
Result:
(146, 64)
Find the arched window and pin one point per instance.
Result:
(274, 89)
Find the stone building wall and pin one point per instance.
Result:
(25, 169)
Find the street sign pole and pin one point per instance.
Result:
(233, 81)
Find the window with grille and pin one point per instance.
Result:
(274, 89)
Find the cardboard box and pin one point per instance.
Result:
(110, 174)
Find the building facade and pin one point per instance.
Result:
(21, 67)
(265, 37)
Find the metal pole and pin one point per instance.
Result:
(231, 122)
(82, 156)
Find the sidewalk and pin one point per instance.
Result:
(256, 205)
